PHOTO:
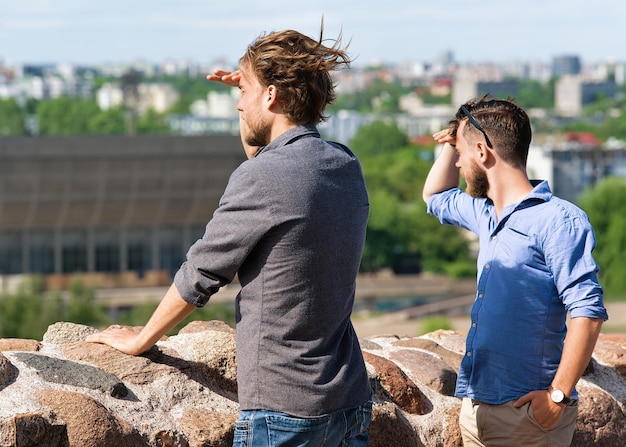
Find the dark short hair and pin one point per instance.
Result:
(506, 124)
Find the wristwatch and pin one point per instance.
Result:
(558, 396)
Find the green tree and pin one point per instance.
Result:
(613, 126)
(378, 138)
(605, 205)
(400, 234)
(82, 306)
(66, 116)
(27, 312)
(12, 118)
(152, 122)
(434, 323)
(535, 94)
(108, 122)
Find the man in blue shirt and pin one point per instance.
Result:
(535, 265)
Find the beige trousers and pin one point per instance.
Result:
(485, 425)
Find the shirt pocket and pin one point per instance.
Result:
(515, 247)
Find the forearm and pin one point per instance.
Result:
(171, 310)
(580, 341)
(443, 175)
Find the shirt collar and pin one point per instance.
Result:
(541, 193)
(293, 134)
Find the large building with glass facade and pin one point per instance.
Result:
(110, 204)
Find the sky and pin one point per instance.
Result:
(121, 31)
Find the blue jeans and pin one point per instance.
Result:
(263, 428)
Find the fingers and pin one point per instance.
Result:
(230, 78)
(443, 136)
(520, 402)
(525, 399)
(218, 75)
(118, 337)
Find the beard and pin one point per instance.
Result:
(477, 182)
(257, 132)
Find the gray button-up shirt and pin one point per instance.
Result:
(291, 224)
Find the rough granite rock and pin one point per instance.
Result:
(389, 428)
(611, 350)
(18, 344)
(182, 393)
(63, 333)
(8, 372)
(207, 428)
(427, 369)
(203, 326)
(88, 422)
(140, 370)
(452, 359)
(72, 373)
(601, 421)
(215, 354)
(40, 429)
(395, 382)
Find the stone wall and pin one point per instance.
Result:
(64, 392)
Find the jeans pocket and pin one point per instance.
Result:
(284, 430)
(290, 423)
(365, 415)
(242, 433)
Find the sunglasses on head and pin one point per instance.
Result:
(472, 120)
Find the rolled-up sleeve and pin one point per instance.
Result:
(455, 207)
(240, 220)
(569, 257)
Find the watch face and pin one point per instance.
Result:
(557, 396)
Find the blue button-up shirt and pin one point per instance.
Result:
(535, 264)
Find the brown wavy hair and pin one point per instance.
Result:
(299, 67)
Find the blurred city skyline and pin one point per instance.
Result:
(73, 31)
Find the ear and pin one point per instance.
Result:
(484, 153)
(271, 96)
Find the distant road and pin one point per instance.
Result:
(455, 300)
(369, 288)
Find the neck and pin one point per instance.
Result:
(508, 187)
(280, 126)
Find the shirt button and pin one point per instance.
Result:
(487, 266)
(473, 324)
(469, 354)
(480, 295)
(493, 238)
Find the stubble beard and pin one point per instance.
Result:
(258, 133)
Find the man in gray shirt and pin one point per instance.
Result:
(291, 224)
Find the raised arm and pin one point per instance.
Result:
(232, 78)
(444, 174)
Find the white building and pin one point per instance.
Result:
(109, 96)
(156, 96)
(573, 92)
